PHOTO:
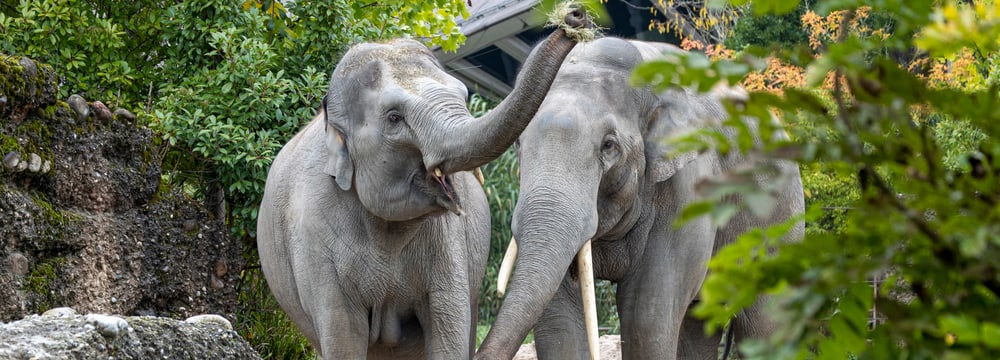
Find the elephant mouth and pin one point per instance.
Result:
(444, 192)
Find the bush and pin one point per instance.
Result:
(910, 272)
(73, 36)
(236, 116)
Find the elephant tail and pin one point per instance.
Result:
(727, 339)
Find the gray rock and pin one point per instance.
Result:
(11, 160)
(30, 69)
(46, 166)
(19, 264)
(137, 337)
(124, 115)
(60, 312)
(78, 104)
(100, 111)
(38, 84)
(21, 166)
(109, 326)
(34, 162)
(210, 319)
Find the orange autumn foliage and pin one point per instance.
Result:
(822, 30)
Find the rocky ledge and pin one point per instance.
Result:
(62, 334)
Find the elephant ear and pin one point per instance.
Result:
(677, 112)
(339, 163)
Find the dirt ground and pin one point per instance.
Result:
(611, 349)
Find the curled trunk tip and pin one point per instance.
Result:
(574, 21)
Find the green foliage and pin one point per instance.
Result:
(235, 116)
(262, 323)
(501, 190)
(692, 69)
(66, 34)
(768, 30)
(956, 27)
(39, 281)
(124, 52)
(913, 164)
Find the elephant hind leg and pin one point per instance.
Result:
(560, 332)
(754, 322)
(694, 343)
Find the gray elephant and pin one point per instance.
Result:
(372, 233)
(595, 177)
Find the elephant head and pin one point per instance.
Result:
(591, 162)
(397, 124)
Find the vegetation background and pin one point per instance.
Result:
(892, 108)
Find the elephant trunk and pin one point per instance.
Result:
(486, 138)
(550, 227)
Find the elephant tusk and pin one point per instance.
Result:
(479, 176)
(506, 267)
(585, 272)
(437, 172)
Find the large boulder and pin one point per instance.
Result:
(84, 220)
(66, 335)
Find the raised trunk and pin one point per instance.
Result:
(487, 138)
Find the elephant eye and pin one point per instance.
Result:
(607, 145)
(395, 117)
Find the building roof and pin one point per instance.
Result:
(501, 33)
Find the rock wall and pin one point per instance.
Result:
(63, 334)
(84, 220)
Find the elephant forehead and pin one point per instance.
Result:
(404, 61)
(609, 53)
(591, 87)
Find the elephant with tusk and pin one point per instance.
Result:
(373, 232)
(597, 185)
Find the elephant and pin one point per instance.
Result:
(372, 231)
(595, 177)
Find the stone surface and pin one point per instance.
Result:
(34, 162)
(60, 311)
(211, 319)
(79, 105)
(27, 86)
(11, 160)
(100, 111)
(19, 265)
(124, 115)
(96, 336)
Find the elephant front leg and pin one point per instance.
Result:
(560, 333)
(343, 332)
(694, 343)
(448, 325)
(654, 296)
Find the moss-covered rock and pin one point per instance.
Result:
(24, 86)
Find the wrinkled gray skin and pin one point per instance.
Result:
(593, 166)
(354, 230)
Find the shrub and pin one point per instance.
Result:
(923, 225)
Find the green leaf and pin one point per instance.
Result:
(964, 328)
(990, 334)
(777, 7)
